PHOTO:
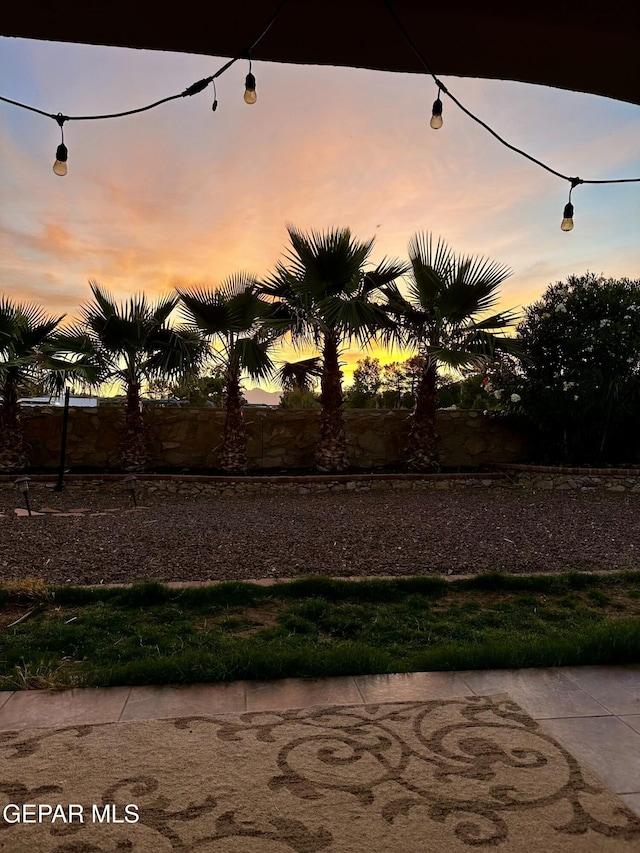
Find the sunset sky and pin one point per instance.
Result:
(181, 195)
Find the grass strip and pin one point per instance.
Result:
(153, 634)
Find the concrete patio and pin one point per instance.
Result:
(593, 711)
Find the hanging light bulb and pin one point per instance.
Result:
(436, 113)
(250, 96)
(60, 166)
(567, 221)
(214, 105)
(567, 216)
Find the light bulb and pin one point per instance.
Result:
(436, 114)
(250, 96)
(60, 166)
(567, 222)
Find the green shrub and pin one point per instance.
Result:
(578, 386)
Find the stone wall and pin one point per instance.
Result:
(541, 477)
(189, 438)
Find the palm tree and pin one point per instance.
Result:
(299, 375)
(297, 380)
(322, 295)
(135, 343)
(32, 357)
(443, 318)
(229, 317)
(24, 330)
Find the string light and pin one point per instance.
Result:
(250, 96)
(60, 166)
(567, 216)
(567, 222)
(436, 112)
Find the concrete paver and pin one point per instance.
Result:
(604, 744)
(615, 687)
(301, 693)
(44, 708)
(543, 693)
(164, 702)
(411, 686)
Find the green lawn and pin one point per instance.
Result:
(149, 634)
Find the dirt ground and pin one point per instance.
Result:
(176, 538)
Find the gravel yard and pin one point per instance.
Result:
(173, 538)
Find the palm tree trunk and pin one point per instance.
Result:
(134, 454)
(13, 451)
(331, 452)
(233, 455)
(422, 450)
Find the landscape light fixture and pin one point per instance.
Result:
(130, 484)
(22, 484)
(567, 216)
(436, 113)
(250, 96)
(60, 166)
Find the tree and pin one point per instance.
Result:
(578, 390)
(442, 318)
(467, 393)
(299, 398)
(399, 381)
(206, 390)
(134, 343)
(32, 357)
(322, 295)
(366, 384)
(229, 317)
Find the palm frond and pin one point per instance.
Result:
(387, 271)
(353, 317)
(456, 359)
(253, 356)
(233, 307)
(174, 352)
(298, 374)
(441, 258)
(326, 263)
(473, 288)
(502, 320)
(25, 325)
(205, 309)
(431, 268)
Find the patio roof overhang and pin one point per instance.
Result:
(587, 46)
